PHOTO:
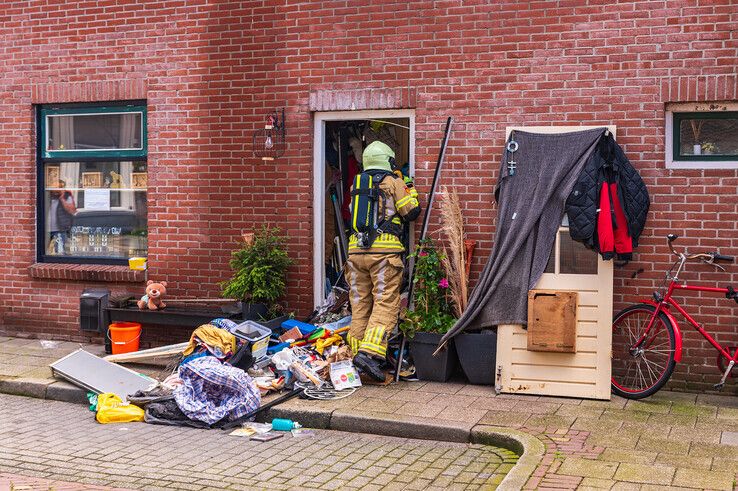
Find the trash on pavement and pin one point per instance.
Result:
(266, 437)
(303, 432)
(212, 391)
(280, 424)
(97, 375)
(344, 375)
(112, 409)
(223, 372)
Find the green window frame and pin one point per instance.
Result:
(46, 157)
(679, 117)
(46, 113)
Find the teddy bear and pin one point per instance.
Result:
(154, 296)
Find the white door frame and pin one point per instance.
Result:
(319, 179)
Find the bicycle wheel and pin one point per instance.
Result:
(640, 369)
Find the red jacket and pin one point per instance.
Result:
(612, 226)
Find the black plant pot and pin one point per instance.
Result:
(275, 323)
(428, 367)
(478, 356)
(255, 311)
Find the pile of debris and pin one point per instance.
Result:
(223, 376)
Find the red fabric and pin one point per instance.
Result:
(613, 237)
(605, 232)
(353, 169)
(623, 241)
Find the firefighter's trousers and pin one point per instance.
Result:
(374, 292)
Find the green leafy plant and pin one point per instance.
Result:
(432, 308)
(260, 267)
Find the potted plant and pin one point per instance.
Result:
(476, 350)
(260, 268)
(708, 148)
(430, 317)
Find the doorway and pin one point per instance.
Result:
(339, 140)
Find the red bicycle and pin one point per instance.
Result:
(646, 340)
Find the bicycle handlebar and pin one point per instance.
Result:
(708, 257)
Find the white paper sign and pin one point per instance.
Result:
(344, 375)
(97, 199)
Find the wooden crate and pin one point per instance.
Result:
(552, 321)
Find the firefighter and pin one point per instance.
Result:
(381, 200)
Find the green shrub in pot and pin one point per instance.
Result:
(260, 270)
(431, 315)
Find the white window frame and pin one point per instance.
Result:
(691, 107)
(321, 118)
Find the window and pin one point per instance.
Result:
(92, 183)
(702, 138)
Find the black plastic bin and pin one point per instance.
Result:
(437, 368)
(478, 355)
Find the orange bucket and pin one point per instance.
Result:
(124, 336)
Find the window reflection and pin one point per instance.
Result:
(96, 209)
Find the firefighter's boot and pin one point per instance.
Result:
(369, 366)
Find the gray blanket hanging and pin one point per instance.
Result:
(530, 209)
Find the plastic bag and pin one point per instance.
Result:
(112, 409)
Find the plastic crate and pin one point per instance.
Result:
(256, 335)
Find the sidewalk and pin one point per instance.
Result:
(669, 440)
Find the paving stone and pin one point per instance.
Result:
(673, 396)
(595, 483)
(574, 466)
(697, 435)
(649, 406)
(633, 456)
(464, 415)
(680, 420)
(717, 400)
(550, 421)
(588, 424)
(729, 438)
(723, 464)
(693, 410)
(443, 388)
(579, 411)
(714, 450)
(623, 415)
(684, 461)
(695, 478)
(641, 473)
(662, 445)
(623, 440)
(729, 413)
(504, 418)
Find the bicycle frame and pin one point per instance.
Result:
(667, 301)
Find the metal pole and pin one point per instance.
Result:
(423, 233)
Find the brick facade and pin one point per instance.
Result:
(210, 71)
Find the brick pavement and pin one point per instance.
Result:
(671, 439)
(61, 441)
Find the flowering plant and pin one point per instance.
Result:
(432, 308)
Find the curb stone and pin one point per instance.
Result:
(529, 448)
(29, 387)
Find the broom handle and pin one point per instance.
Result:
(423, 233)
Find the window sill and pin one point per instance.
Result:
(86, 272)
(701, 164)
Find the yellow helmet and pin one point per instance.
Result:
(378, 156)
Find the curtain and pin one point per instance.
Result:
(62, 133)
(128, 125)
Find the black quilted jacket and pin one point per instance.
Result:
(607, 163)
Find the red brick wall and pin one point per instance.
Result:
(210, 71)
